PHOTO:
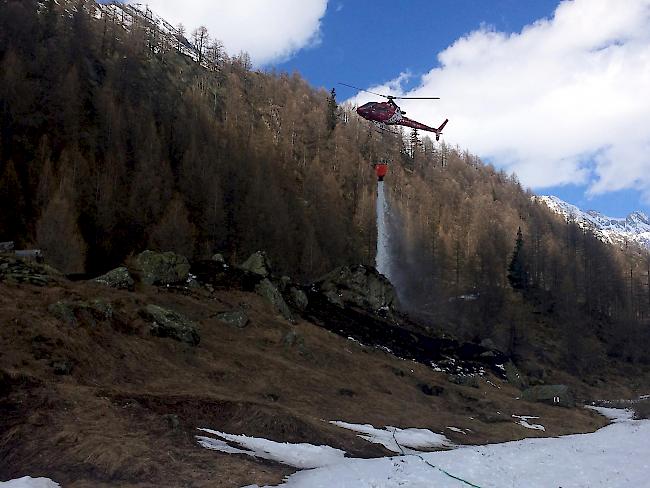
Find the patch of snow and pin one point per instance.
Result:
(410, 440)
(452, 366)
(436, 367)
(222, 446)
(525, 424)
(614, 414)
(29, 482)
(644, 397)
(456, 429)
(470, 297)
(616, 456)
(523, 421)
(303, 456)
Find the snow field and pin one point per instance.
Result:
(29, 482)
(617, 456)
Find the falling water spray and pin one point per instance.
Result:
(382, 259)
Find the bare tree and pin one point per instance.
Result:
(201, 38)
(215, 53)
(180, 35)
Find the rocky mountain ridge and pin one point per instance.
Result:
(635, 228)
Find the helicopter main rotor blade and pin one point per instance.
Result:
(389, 97)
(416, 98)
(367, 91)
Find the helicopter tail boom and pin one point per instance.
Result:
(438, 131)
(417, 125)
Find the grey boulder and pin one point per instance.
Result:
(559, 395)
(258, 263)
(270, 293)
(117, 278)
(167, 323)
(166, 268)
(358, 285)
(234, 318)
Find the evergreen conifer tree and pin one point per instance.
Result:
(332, 111)
(517, 274)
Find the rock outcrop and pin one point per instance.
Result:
(271, 294)
(298, 298)
(234, 318)
(167, 323)
(360, 286)
(258, 263)
(166, 268)
(559, 395)
(117, 278)
(78, 313)
(218, 258)
(16, 270)
(6, 247)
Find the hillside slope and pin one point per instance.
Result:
(91, 398)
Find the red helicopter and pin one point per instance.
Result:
(389, 113)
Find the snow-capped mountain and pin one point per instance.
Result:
(128, 14)
(633, 228)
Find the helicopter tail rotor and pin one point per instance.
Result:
(438, 131)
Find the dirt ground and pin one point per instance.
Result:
(125, 411)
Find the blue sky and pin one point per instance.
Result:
(366, 42)
(555, 91)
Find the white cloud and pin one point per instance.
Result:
(566, 100)
(634, 159)
(269, 30)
